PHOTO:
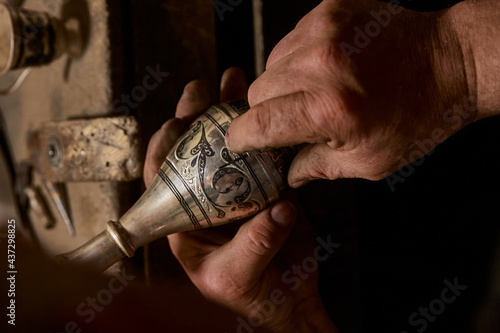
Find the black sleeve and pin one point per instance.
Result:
(424, 5)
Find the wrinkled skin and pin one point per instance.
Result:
(360, 112)
(358, 107)
(241, 272)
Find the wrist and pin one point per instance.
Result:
(477, 27)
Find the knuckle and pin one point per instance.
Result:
(281, 49)
(320, 24)
(319, 21)
(273, 56)
(303, 21)
(304, 118)
(253, 93)
(260, 240)
(325, 115)
(325, 56)
(261, 122)
(337, 121)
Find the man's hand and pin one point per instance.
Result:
(366, 85)
(239, 272)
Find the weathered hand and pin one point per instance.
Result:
(240, 272)
(367, 85)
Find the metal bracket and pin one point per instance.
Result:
(101, 149)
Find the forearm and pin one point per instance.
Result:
(477, 23)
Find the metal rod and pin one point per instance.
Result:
(258, 37)
(56, 199)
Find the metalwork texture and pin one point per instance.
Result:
(201, 184)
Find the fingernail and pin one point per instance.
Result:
(283, 213)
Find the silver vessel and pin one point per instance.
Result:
(201, 184)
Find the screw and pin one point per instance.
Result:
(54, 151)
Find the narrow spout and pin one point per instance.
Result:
(98, 254)
(156, 214)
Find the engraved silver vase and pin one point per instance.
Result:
(201, 184)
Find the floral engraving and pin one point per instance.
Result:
(230, 186)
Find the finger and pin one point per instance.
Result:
(286, 46)
(159, 146)
(233, 85)
(314, 24)
(319, 161)
(315, 68)
(278, 122)
(258, 241)
(315, 162)
(279, 80)
(194, 100)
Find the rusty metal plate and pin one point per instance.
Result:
(90, 150)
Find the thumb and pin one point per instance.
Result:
(258, 240)
(318, 161)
